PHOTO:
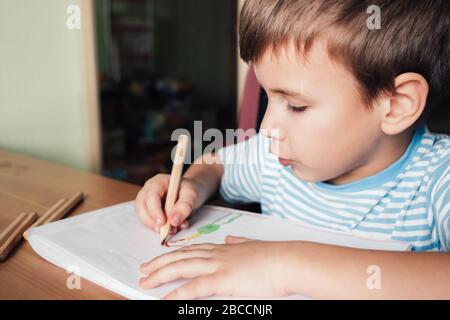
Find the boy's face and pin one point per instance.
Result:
(335, 134)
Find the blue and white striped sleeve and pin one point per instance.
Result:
(242, 167)
(440, 201)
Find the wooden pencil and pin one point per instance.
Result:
(11, 227)
(174, 184)
(14, 237)
(65, 208)
(45, 216)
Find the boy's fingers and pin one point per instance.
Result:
(168, 258)
(141, 210)
(173, 230)
(179, 269)
(184, 225)
(145, 217)
(148, 202)
(183, 207)
(154, 206)
(235, 240)
(181, 210)
(199, 288)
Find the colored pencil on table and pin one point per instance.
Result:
(45, 216)
(13, 233)
(57, 211)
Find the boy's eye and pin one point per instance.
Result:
(295, 108)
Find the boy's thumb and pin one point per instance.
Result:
(180, 211)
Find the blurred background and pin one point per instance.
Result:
(162, 64)
(106, 97)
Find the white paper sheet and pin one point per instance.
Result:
(108, 245)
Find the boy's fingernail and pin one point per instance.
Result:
(158, 221)
(142, 280)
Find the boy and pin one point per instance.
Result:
(342, 148)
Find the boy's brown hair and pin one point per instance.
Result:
(413, 37)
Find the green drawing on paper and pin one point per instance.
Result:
(206, 229)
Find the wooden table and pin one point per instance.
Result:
(27, 185)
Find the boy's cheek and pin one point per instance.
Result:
(320, 166)
(311, 157)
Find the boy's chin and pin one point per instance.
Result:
(306, 176)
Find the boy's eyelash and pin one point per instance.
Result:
(296, 109)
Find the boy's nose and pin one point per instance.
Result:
(273, 133)
(269, 128)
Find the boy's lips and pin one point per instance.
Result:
(285, 162)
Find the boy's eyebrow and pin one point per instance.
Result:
(283, 91)
(288, 92)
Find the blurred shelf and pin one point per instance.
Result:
(131, 28)
(144, 2)
(135, 56)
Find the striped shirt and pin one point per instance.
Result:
(409, 201)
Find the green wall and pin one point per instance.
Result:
(42, 94)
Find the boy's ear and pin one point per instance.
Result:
(406, 103)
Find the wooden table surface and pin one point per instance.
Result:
(28, 184)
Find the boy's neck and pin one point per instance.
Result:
(389, 151)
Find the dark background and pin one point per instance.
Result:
(162, 65)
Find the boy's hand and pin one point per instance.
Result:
(149, 203)
(241, 268)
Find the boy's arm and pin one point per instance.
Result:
(275, 269)
(207, 172)
(325, 271)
